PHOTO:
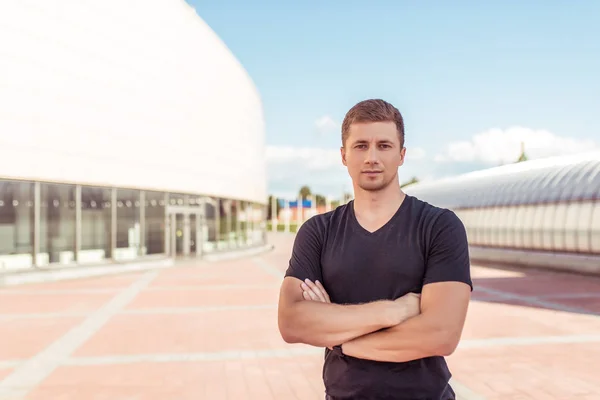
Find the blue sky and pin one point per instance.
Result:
(472, 79)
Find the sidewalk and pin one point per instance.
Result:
(209, 331)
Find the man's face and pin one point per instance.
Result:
(372, 154)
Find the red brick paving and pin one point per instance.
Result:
(206, 297)
(23, 338)
(173, 317)
(291, 378)
(489, 320)
(191, 332)
(18, 303)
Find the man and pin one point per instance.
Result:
(383, 282)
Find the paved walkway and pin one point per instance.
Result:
(209, 331)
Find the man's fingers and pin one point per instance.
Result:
(325, 294)
(313, 291)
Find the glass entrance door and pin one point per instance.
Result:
(185, 232)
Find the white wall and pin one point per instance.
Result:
(129, 93)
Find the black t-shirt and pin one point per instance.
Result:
(420, 244)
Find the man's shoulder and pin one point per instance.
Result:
(427, 210)
(322, 224)
(435, 218)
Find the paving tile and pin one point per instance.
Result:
(241, 379)
(507, 319)
(206, 297)
(564, 371)
(214, 274)
(191, 332)
(33, 303)
(23, 338)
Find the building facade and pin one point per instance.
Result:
(125, 132)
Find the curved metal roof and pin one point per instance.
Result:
(548, 180)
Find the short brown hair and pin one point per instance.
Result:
(373, 110)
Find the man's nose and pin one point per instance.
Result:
(372, 156)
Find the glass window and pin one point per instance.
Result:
(224, 225)
(176, 199)
(571, 223)
(559, 227)
(57, 224)
(584, 226)
(195, 200)
(519, 232)
(95, 224)
(549, 214)
(16, 224)
(511, 226)
(528, 216)
(128, 224)
(212, 221)
(537, 229)
(154, 223)
(595, 229)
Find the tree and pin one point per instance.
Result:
(320, 199)
(269, 207)
(523, 156)
(411, 182)
(305, 191)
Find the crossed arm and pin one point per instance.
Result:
(394, 331)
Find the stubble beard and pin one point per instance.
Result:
(376, 186)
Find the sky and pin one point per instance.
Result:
(472, 80)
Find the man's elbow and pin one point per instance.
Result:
(447, 341)
(288, 333)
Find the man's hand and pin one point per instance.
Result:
(314, 291)
(410, 305)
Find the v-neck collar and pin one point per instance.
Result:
(395, 216)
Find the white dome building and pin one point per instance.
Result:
(127, 129)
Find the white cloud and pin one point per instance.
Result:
(321, 169)
(326, 124)
(415, 153)
(497, 146)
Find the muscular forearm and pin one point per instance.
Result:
(328, 324)
(416, 338)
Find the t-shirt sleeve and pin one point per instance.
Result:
(305, 261)
(448, 257)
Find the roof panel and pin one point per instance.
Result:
(578, 175)
(546, 180)
(593, 191)
(589, 187)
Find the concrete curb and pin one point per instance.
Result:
(78, 272)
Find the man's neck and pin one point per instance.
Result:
(378, 203)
